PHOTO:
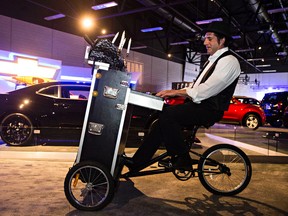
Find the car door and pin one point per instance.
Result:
(64, 110)
(70, 108)
(232, 113)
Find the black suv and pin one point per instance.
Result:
(274, 105)
(285, 117)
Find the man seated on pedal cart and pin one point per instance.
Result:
(208, 98)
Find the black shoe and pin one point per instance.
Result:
(183, 162)
(128, 162)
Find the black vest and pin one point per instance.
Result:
(220, 101)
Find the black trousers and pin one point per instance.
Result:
(168, 129)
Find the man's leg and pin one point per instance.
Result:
(148, 148)
(169, 131)
(171, 123)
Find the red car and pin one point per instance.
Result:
(247, 114)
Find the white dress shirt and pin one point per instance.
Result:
(226, 71)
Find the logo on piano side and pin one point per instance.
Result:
(120, 106)
(95, 128)
(110, 92)
(124, 83)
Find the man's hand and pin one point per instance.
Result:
(172, 93)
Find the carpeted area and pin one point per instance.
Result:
(35, 187)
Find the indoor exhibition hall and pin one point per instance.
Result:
(144, 107)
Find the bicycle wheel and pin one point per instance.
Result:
(89, 186)
(224, 169)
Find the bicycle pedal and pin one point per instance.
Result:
(165, 163)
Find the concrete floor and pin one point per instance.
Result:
(32, 184)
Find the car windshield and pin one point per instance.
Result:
(248, 100)
(66, 91)
(272, 98)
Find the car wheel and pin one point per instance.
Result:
(252, 121)
(285, 121)
(16, 129)
(277, 123)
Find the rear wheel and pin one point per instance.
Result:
(285, 122)
(16, 129)
(89, 186)
(252, 121)
(224, 170)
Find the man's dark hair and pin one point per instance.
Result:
(220, 36)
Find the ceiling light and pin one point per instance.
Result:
(282, 53)
(56, 16)
(283, 31)
(202, 22)
(264, 65)
(138, 47)
(256, 59)
(105, 5)
(87, 23)
(106, 36)
(152, 29)
(267, 71)
(236, 36)
(179, 43)
(278, 10)
(245, 50)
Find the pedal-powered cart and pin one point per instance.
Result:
(90, 184)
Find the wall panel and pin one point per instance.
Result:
(31, 39)
(5, 33)
(175, 73)
(27, 38)
(159, 74)
(69, 48)
(144, 82)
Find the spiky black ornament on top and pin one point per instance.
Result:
(105, 51)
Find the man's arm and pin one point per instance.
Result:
(172, 93)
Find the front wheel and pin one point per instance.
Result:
(89, 186)
(16, 129)
(224, 169)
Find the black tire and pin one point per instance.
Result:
(251, 121)
(224, 170)
(16, 130)
(285, 122)
(89, 186)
